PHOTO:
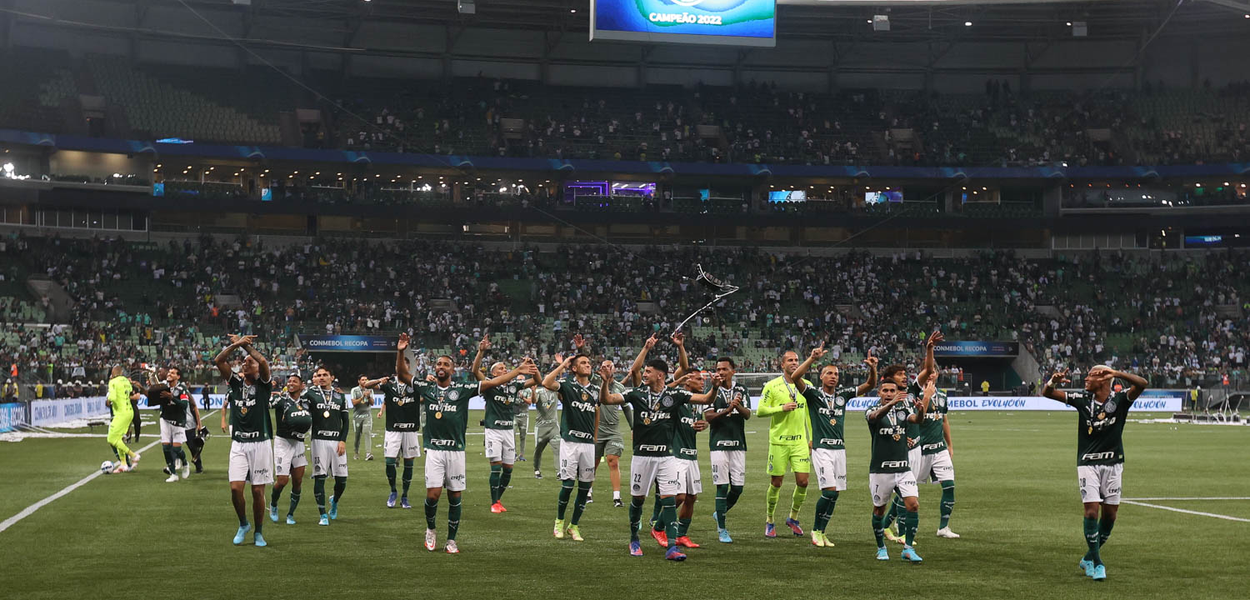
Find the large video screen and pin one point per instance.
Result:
(721, 22)
(788, 196)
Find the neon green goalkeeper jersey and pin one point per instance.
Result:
(785, 428)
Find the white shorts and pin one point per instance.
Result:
(1101, 483)
(689, 478)
(501, 446)
(882, 485)
(287, 455)
(830, 468)
(445, 469)
(729, 467)
(913, 459)
(172, 433)
(251, 461)
(647, 471)
(577, 461)
(405, 444)
(935, 467)
(326, 459)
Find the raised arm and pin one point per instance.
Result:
(708, 396)
(634, 377)
(552, 380)
(683, 360)
(1049, 391)
(373, 384)
(865, 387)
(605, 387)
(223, 358)
(527, 368)
(401, 363)
(1137, 383)
(929, 363)
(476, 368)
(262, 363)
(922, 404)
(797, 377)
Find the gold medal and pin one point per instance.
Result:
(438, 415)
(1102, 415)
(897, 437)
(243, 410)
(1090, 431)
(646, 420)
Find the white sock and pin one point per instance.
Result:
(616, 495)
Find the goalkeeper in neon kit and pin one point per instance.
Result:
(120, 393)
(787, 442)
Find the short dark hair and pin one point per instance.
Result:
(581, 355)
(446, 356)
(297, 376)
(362, 375)
(324, 368)
(889, 371)
(886, 382)
(728, 360)
(658, 364)
(174, 368)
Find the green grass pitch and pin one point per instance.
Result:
(134, 536)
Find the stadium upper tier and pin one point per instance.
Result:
(511, 118)
(1172, 316)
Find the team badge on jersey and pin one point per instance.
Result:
(667, 402)
(453, 395)
(1111, 406)
(841, 402)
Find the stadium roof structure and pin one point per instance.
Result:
(911, 20)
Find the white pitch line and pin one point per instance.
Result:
(30, 510)
(1188, 512)
(1203, 498)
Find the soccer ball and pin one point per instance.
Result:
(106, 467)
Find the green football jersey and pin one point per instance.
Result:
(827, 413)
(889, 438)
(249, 409)
(175, 411)
(729, 431)
(655, 416)
(499, 402)
(932, 434)
(292, 416)
(684, 436)
(403, 410)
(331, 413)
(1100, 427)
(446, 414)
(577, 420)
(915, 391)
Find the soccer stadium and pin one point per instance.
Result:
(765, 263)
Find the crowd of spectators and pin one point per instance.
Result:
(759, 122)
(1176, 316)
